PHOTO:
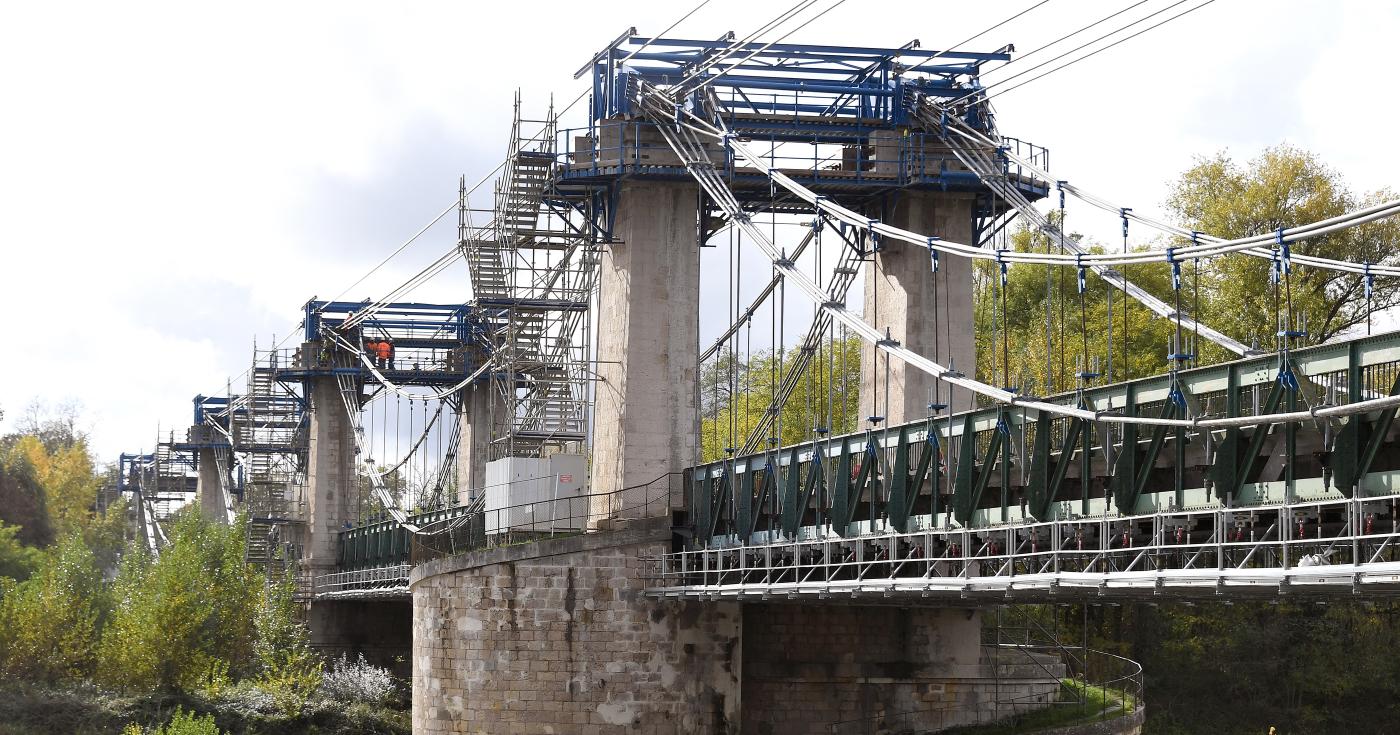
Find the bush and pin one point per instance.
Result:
(358, 681)
(188, 723)
(183, 621)
(183, 723)
(49, 622)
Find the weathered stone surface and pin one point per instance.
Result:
(808, 667)
(556, 637)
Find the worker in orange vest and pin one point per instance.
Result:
(386, 354)
(372, 352)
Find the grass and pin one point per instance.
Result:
(1098, 704)
(83, 709)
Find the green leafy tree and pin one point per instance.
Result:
(290, 671)
(735, 393)
(49, 623)
(1011, 323)
(17, 561)
(1284, 187)
(183, 621)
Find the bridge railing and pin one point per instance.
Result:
(614, 147)
(386, 581)
(459, 529)
(1096, 686)
(1326, 543)
(543, 519)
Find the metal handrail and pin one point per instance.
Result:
(1129, 687)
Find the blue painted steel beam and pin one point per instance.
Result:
(863, 53)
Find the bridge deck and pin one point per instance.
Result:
(1259, 551)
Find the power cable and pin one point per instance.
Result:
(1042, 47)
(976, 36)
(1096, 52)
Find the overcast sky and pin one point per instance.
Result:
(177, 179)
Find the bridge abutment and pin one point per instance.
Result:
(557, 637)
(900, 296)
(647, 420)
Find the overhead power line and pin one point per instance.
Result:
(1098, 51)
(977, 35)
(1022, 58)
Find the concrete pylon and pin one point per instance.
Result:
(899, 296)
(474, 440)
(647, 419)
(209, 488)
(330, 474)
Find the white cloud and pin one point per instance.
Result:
(176, 178)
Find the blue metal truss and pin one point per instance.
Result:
(839, 118)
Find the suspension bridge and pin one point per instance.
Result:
(526, 466)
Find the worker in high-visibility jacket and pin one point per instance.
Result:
(386, 354)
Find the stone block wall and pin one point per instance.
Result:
(556, 637)
(810, 667)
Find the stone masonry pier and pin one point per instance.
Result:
(558, 637)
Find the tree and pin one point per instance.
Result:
(49, 622)
(17, 561)
(1284, 187)
(55, 426)
(66, 475)
(736, 392)
(22, 499)
(1011, 323)
(184, 620)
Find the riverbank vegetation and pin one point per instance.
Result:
(99, 635)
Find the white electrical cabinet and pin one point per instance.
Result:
(536, 495)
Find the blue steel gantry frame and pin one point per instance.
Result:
(435, 345)
(838, 119)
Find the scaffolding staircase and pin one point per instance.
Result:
(270, 431)
(534, 275)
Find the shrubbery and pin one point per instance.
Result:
(351, 681)
(183, 621)
(195, 626)
(49, 623)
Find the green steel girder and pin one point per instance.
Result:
(1256, 441)
(842, 510)
(972, 482)
(926, 461)
(900, 501)
(1123, 477)
(714, 495)
(1346, 445)
(1045, 483)
(1128, 500)
(1039, 496)
(1375, 436)
(843, 507)
(743, 504)
(795, 505)
(1225, 463)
